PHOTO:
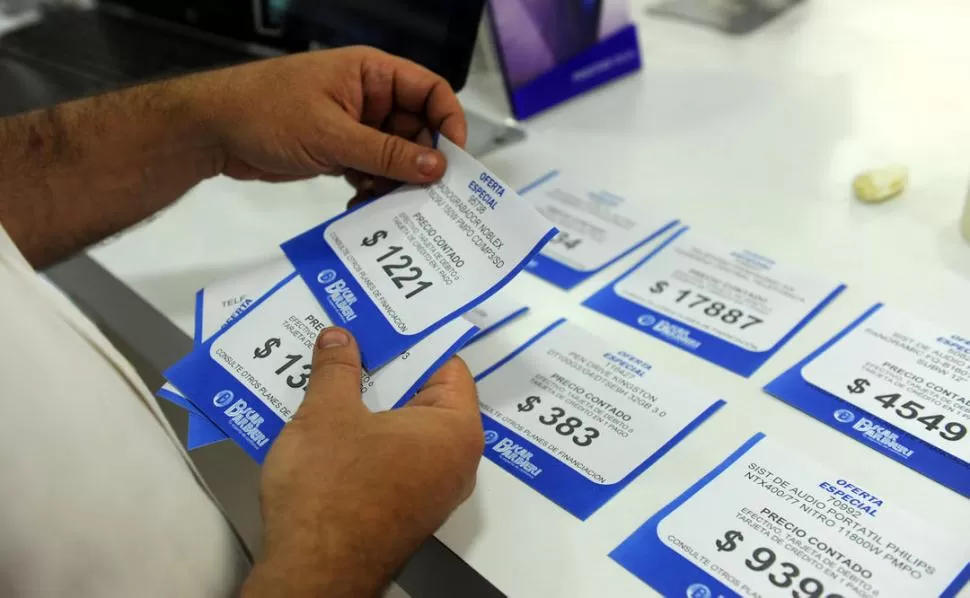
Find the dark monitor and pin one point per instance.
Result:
(439, 34)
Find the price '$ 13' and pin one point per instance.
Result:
(780, 574)
(401, 270)
(906, 409)
(297, 379)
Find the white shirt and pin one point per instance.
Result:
(97, 497)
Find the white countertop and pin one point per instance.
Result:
(756, 139)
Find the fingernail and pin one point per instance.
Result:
(332, 337)
(427, 163)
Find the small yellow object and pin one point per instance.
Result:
(873, 186)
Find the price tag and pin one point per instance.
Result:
(897, 384)
(769, 522)
(215, 306)
(596, 228)
(493, 313)
(396, 269)
(578, 418)
(249, 379)
(723, 303)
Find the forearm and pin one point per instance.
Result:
(333, 572)
(79, 172)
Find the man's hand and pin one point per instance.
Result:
(354, 110)
(82, 171)
(348, 495)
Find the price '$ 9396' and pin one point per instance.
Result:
(781, 574)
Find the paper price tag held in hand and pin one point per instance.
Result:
(250, 378)
(396, 269)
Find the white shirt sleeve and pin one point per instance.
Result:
(98, 497)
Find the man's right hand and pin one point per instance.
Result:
(348, 495)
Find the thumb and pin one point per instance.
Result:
(451, 387)
(377, 153)
(335, 374)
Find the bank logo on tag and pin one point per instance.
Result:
(698, 590)
(672, 332)
(223, 398)
(843, 415)
(490, 436)
(326, 276)
(883, 436)
(246, 420)
(517, 456)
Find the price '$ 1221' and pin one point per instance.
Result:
(400, 270)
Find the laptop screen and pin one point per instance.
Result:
(440, 34)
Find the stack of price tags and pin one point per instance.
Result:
(409, 276)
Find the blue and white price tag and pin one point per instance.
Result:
(577, 418)
(396, 269)
(723, 303)
(250, 378)
(596, 228)
(897, 384)
(769, 522)
(217, 305)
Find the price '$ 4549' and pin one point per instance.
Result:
(896, 404)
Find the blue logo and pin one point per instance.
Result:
(491, 436)
(646, 320)
(326, 276)
(844, 415)
(698, 590)
(223, 398)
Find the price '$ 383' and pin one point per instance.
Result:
(561, 421)
(780, 574)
